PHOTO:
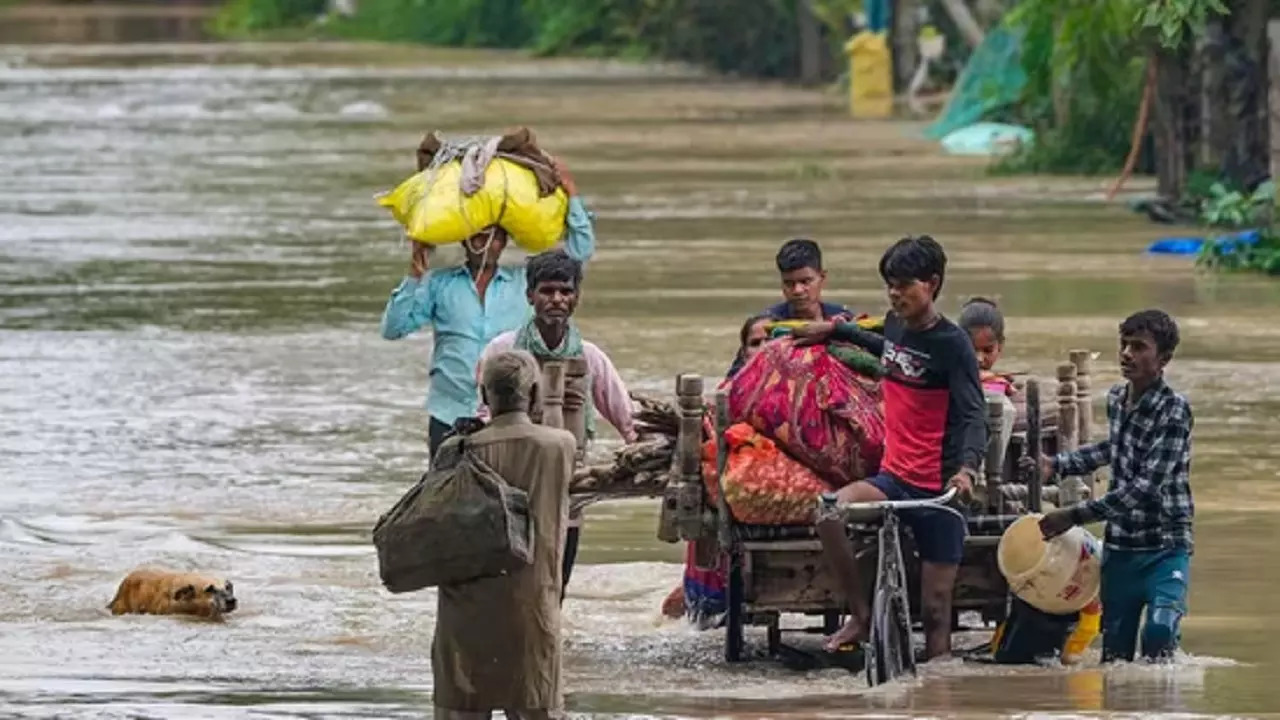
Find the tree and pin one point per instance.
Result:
(1211, 99)
(1085, 60)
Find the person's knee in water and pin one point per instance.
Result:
(1161, 633)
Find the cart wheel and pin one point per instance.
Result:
(775, 634)
(735, 611)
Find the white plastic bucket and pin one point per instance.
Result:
(1060, 576)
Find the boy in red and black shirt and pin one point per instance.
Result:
(935, 433)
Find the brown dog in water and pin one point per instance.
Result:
(160, 592)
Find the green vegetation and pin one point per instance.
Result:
(1261, 256)
(751, 37)
(1084, 62)
(463, 23)
(245, 17)
(1232, 209)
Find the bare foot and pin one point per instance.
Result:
(850, 634)
(673, 606)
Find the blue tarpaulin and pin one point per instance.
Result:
(1193, 245)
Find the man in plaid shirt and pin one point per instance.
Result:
(1148, 506)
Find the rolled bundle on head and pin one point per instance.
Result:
(464, 185)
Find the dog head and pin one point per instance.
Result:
(210, 597)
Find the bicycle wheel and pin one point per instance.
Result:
(889, 653)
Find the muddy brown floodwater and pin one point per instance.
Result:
(191, 275)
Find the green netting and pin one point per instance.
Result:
(992, 79)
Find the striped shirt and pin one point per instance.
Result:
(1148, 505)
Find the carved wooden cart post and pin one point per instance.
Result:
(1083, 360)
(1073, 489)
(551, 410)
(1035, 496)
(991, 495)
(575, 402)
(684, 512)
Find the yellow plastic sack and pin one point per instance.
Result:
(431, 207)
(870, 75)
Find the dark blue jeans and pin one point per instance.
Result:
(1132, 581)
(436, 430)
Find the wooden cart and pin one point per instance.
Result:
(775, 570)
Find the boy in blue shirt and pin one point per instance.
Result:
(468, 306)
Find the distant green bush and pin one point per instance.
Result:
(750, 37)
(243, 17)
(1084, 69)
(457, 23)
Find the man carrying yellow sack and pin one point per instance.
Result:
(469, 305)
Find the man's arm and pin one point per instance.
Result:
(1082, 460)
(1087, 458)
(1169, 447)
(971, 407)
(609, 392)
(410, 306)
(850, 332)
(580, 234)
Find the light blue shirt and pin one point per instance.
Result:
(448, 301)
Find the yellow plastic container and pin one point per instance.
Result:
(870, 75)
(433, 209)
(1087, 630)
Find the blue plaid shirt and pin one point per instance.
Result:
(1148, 505)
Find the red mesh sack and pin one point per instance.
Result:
(762, 486)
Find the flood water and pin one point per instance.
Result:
(192, 271)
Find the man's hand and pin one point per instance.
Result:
(1055, 523)
(566, 178)
(963, 483)
(1027, 466)
(815, 333)
(419, 261)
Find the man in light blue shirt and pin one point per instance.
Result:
(468, 306)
